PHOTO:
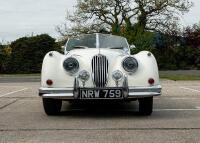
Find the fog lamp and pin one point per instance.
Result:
(84, 75)
(117, 75)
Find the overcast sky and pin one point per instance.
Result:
(22, 17)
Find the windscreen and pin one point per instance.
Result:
(111, 41)
(88, 41)
(94, 40)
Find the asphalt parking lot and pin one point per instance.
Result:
(176, 117)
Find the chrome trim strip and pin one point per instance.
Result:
(59, 96)
(142, 94)
(76, 88)
(146, 87)
(55, 90)
(97, 41)
(69, 96)
(131, 89)
(68, 93)
(156, 88)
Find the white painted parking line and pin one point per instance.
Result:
(2, 95)
(184, 98)
(194, 90)
(10, 86)
(176, 98)
(154, 110)
(197, 109)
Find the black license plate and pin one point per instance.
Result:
(101, 93)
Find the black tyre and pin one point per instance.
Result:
(146, 106)
(52, 106)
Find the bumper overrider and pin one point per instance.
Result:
(128, 92)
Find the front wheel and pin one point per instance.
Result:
(146, 106)
(52, 106)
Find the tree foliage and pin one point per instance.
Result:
(160, 15)
(179, 52)
(27, 54)
(115, 15)
(192, 35)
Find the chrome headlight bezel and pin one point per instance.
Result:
(130, 64)
(71, 65)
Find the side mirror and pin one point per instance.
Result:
(132, 47)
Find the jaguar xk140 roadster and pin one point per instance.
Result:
(99, 67)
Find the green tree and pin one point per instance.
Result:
(160, 15)
(5, 52)
(1, 56)
(28, 53)
(156, 15)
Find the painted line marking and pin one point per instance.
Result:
(183, 98)
(13, 92)
(177, 98)
(11, 86)
(197, 109)
(156, 110)
(194, 90)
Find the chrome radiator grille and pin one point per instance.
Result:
(100, 70)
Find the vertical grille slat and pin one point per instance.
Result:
(103, 72)
(100, 70)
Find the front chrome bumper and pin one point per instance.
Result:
(69, 93)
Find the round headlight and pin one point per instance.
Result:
(117, 75)
(130, 64)
(84, 75)
(71, 65)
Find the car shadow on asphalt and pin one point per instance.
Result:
(100, 109)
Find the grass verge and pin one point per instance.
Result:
(19, 75)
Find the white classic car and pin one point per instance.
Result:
(99, 67)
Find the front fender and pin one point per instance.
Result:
(147, 68)
(52, 68)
